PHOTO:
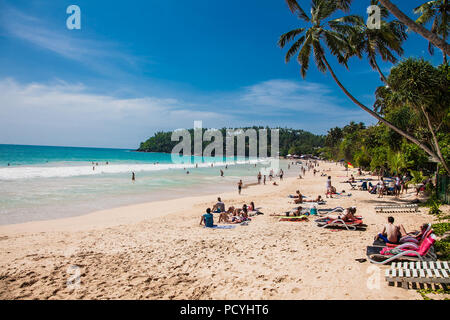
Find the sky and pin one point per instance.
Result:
(138, 67)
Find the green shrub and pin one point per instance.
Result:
(442, 248)
(441, 228)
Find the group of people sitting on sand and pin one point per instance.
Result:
(231, 215)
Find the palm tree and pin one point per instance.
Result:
(427, 34)
(436, 10)
(311, 40)
(373, 42)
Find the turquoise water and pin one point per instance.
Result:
(43, 182)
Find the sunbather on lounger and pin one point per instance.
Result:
(347, 216)
(391, 233)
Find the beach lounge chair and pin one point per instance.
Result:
(420, 272)
(331, 210)
(383, 255)
(349, 225)
(397, 208)
(412, 240)
(354, 186)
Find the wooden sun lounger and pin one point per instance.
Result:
(418, 272)
(397, 208)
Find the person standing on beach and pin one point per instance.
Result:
(281, 174)
(329, 188)
(133, 177)
(240, 186)
(264, 179)
(259, 177)
(380, 188)
(397, 186)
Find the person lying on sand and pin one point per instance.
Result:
(235, 215)
(207, 219)
(391, 233)
(296, 212)
(318, 199)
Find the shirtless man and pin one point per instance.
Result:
(391, 233)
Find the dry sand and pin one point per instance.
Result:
(158, 250)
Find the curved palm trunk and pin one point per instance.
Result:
(435, 141)
(379, 118)
(383, 78)
(427, 34)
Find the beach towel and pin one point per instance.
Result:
(220, 227)
(295, 219)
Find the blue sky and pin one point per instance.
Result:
(137, 67)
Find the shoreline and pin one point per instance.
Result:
(157, 250)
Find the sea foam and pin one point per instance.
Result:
(29, 172)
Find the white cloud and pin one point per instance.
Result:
(63, 114)
(60, 113)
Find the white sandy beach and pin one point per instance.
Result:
(157, 250)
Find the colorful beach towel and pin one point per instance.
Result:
(220, 227)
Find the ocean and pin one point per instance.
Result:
(44, 182)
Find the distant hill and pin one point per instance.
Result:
(291, 141)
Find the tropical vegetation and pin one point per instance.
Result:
(291, 141)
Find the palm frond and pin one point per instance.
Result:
(297, 10)
(289, 36)
(294, 48)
